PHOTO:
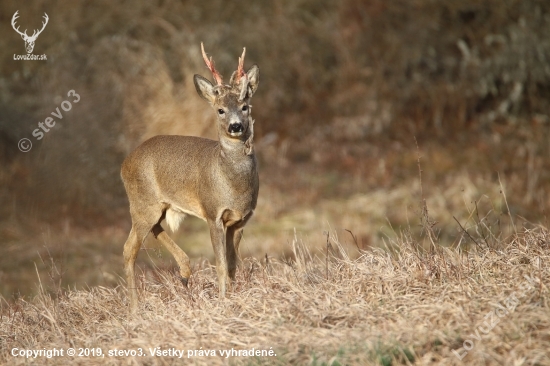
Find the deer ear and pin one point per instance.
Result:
(205, 89)
(253, 80)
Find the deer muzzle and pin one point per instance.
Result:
(236, 129)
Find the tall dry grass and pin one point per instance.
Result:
(410, 305)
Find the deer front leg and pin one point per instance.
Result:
(233, 238)
(217, 235)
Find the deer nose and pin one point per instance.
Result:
(236, 128)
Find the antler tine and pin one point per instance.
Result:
(210, 64)
(46, 18)
(240, 68)
(13, 19)
(36, 31)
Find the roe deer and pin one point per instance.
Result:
(167, 177)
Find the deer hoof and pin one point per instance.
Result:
(184, 281)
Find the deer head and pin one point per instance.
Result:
(29, 41)
(231, 101)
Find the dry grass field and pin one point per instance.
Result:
(483, 301)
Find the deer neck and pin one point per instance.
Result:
(236, 150)
(240, 147)
(236, 156)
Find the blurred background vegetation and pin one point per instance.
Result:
(346, 89)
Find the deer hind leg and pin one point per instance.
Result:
(233, 238)
(137, 235)
(218, 237)
(179, 255)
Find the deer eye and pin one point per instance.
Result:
(245, 108)
(221, 112)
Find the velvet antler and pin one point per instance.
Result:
(240, 68)
(210, 65)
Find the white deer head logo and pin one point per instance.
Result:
(29, 41)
